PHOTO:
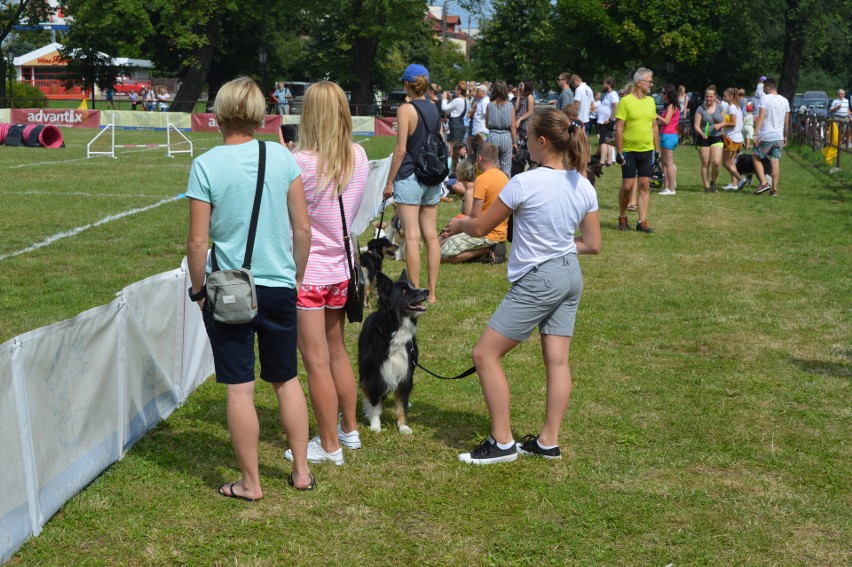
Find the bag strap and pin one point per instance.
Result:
(255, 211)
(422, 119)
(346, 239)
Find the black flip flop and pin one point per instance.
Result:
(234, 494)
(309, 487)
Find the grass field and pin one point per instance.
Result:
(710, 421)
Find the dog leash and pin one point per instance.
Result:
(464, 374)
(381, 218)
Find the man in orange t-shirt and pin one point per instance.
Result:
(461, 247)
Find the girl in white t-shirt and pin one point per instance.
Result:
(549, 204)
(733, 139)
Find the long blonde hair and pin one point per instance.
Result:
(325, 129)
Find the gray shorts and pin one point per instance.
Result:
(547, 296)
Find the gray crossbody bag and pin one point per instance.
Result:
(231, 294)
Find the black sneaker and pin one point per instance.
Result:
(488, 452)
(529, 446)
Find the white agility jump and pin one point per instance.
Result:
(111, 152)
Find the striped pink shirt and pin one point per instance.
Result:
(327, 263)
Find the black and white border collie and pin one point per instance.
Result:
(387, 349)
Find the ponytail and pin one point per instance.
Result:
(565, 136)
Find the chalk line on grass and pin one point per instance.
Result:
(78, 194)
(74, 231)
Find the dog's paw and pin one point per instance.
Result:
(377, 427)
(404, 429)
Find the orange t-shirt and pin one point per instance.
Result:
(487, 187)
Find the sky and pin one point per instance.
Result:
(468, 19)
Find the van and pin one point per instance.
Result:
(297, 89)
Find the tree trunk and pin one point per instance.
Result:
(196, 76)
(794, 44)
(5, 81)
(364, 52)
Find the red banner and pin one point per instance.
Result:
(385, 126)
(70, 118)
(207, 123)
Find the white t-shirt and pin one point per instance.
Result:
(608, 102)
(772, 127)
(585, 96)
(735, 134)
(479, 116)
(548, 207)
(456, 107)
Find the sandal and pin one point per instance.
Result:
(631, 207)
(309, 487)
(232, 494)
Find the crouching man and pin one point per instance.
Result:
(463, 248)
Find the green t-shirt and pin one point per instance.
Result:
(226, 177)
(638, 116)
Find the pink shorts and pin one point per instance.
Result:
(332, 296)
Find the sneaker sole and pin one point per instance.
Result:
(548, 457)
(504, 459)
(288, 454)
(350, 444)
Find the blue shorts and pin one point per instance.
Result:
(770, 150)
(668, 141)
(275, 327)
(547, 296)
(410, 191)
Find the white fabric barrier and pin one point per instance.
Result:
(74, 396)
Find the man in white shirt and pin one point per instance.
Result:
(583, 97)
(477, 113)
(839, 112)
(771, 126)
(606, 120)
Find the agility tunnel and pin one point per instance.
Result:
(31, 135)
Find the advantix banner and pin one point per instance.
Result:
(67, 118)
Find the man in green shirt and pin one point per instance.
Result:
(637, 146)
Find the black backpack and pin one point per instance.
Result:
(430, 164)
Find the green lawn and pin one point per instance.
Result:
(710, 420)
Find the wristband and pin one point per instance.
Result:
(202, 293)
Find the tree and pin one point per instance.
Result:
(520, 41)
(13, 13)
(349, 38)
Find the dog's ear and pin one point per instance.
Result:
(403, 277)
(383, 283)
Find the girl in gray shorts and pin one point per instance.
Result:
(549, 204)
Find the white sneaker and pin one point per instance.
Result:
(317, 455)
(666, 191)
(729, 187)
(351, 440)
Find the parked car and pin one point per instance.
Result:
(126, 85)
(392, 101)
(815, 103)
(297, 89)
(659, 102)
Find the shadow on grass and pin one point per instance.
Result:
(454, 427)
(823, 368)
(196, 442)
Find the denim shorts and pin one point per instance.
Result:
(410, 191)
(668, 141)
(275, 327)
(547, 296)
(769, 149)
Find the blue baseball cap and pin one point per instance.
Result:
(413, 71)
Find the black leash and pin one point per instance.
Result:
(381, 218)
(464, 374)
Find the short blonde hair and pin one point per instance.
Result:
(325, 129)
(240, 105)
